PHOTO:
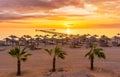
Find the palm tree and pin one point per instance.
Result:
(91, 54)
(21, 55)
(58, 52)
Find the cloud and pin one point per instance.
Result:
(63, 11)
(72, 10)
(37, 4)
(22, 9)
(47, 5)
(15, 15)
(106, 6)
(6, 15)
(58, 9)
(115, 25)
(99, 1)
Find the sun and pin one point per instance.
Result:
(68, 26)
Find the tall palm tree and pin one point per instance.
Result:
(58, 52)
(94, 52)
(21, 55)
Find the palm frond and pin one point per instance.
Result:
(87, 54)
(24, 49)
(17, 49)
(28, 54)
(16, 52)
(97, 51)
(101, 55)
(49, 51)
(63, 52)
(24, 59)
(91, 56)
(12, 53)
(59, 52)
(62, 55)
(22, 53)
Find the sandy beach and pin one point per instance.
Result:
(75, 64)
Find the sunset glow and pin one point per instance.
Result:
(55, 13)
(89, 15)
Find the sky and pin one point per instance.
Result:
(60, 13)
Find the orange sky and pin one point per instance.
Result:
(60, 13)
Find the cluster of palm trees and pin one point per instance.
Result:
(22, 54)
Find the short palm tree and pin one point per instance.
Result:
(91, 54)
(21, 55)
(58, 52)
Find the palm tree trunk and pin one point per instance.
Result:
(54, 64)
(92, 64)
(18, 68)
